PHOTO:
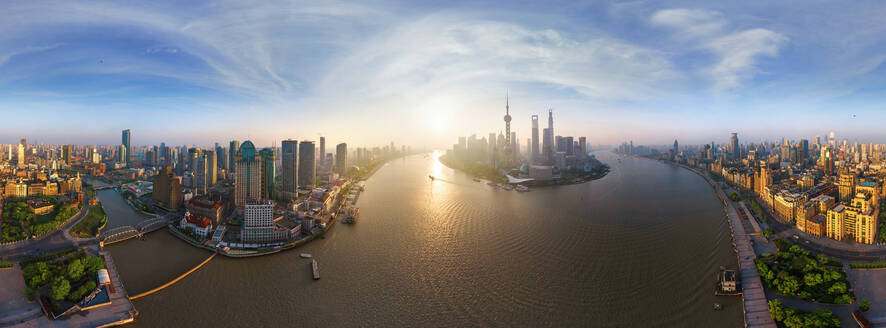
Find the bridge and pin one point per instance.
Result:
(119, 234)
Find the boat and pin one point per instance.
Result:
(431, 176)
(305, 255)
(522, 188)
(476, 180)
(507, 187)
(315, 269)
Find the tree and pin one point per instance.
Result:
(75, 270)
(60, 288)
(789, 286)
(837, 288)
(812, 279)
(776, 310)
(843, 299)
(92, 264)
(864, 305)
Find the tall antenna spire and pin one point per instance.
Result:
(507, 101)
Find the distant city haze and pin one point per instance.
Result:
(422, 74)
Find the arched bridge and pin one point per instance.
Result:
(123, 233)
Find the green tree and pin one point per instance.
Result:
(789, 286)
(864, 305)
(75, 270)
(776, 310)
(60, 288)
(837, 288)
(843, 299)
(812, 279)
(92, 264)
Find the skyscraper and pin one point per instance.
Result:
(66, 154)
(734, 150)
(167, 189)
(222, 155)
(676, 147)
(582, 147)
(20, 157)
(341, 158)
(211, 167)
(247, 180)
(547, 144)
(508, 123)
(533, 153)
(289, 165)
(233, 149)
(268, 172)
(323, 152)
(306, 169)
(550, 130)
(127, 136)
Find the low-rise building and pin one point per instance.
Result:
(200, 225)
(816, 225)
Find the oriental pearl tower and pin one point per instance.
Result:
(507, 147)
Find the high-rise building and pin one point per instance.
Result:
(247, 177)
(222, 155)
(323, 152)
(122, 154)
(341, 158)
(167, 189)
(306, 169)
(20, 157)
(258, 223)
(268, 172)
(66, 154)
(126, 142)
(289, 165)
(233, 148)
(200, 171)
(547, 146)
(211, 167)
(846, 186)
(676, 147)
(533, 155)
(583, 147)
(734, 150)
(550, 131)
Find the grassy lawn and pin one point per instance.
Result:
(88, 227)
(868, 265)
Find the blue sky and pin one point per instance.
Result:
(425, 72)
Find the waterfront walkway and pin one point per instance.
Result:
(756, 307)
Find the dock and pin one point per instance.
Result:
(315, 269)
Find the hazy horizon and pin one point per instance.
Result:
(423, 74)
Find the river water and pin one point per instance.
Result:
(636, 248)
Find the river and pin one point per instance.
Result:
(636, 248)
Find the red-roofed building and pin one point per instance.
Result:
(205, 208)
(201, 225)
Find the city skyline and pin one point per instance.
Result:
(621, 71)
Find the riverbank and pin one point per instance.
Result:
(598, 172)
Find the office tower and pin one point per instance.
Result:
(211, 167)
(268, 172)
(734, 151)
(233, 148)
(167, 189)
(126, 142)
(247, 177)
(306, 168)
(560, 146)
(551, 129)
(289, 165)
(122, 154)
(323, 151)
(547, 146)
(150, 157)
(533, 152)
(583, 147)
(341, 158)
(569, 146)
(676, 147)
(66, 154)
(222, 155)
(515, 144)
(828, 160)
(200, 170)
(817, 141)
(193, 155)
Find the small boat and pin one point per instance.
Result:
(718, 306)
(305, 255)
(315, 269)
(432, 177)
(476, 180)
(522, 188)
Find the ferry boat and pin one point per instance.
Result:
(522, 188)
(305, 255)
(315, 269)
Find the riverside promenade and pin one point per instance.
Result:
(756, 307)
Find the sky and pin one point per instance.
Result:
(423, 73)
